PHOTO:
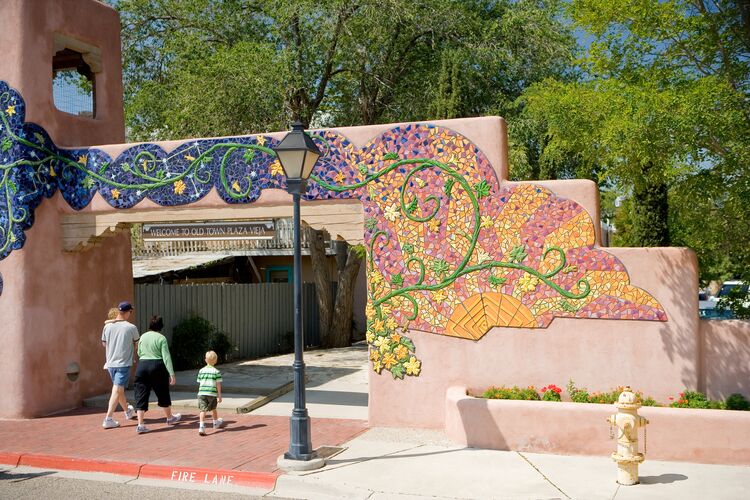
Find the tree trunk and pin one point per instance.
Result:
(650, 210)
(322, 274)
(335, 316)
(343, 313)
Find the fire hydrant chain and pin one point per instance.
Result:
(627, 421)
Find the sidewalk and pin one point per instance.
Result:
(336, 385)
(418, 464)
(409, 464)
(247, 448)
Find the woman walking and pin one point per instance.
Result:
(155, 372)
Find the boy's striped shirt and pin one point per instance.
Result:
(207, 378)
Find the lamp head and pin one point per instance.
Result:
(297, 154)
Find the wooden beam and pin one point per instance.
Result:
(343, 219)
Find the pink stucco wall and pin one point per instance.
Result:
(706, 436)
(53, 303)
(27, 39)
(64, 299)
(726, 357)
(659, 358)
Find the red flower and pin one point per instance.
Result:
(671, 398)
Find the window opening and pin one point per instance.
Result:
(73, 84)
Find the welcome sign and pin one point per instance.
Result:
(212, 230)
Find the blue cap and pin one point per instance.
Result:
(125, 306)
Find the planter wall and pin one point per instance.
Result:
(681, 434)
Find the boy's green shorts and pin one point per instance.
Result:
(207, 403)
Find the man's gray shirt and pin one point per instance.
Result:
(119, 337)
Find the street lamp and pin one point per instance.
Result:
(298, 154)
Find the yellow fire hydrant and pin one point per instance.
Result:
(626, 423)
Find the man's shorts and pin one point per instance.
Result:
(207, 403)
(120, 375)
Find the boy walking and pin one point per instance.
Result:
(209, 392)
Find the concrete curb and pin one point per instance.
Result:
(183, 475)
(79, 464)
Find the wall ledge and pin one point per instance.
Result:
(679, 434)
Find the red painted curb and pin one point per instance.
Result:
(80, 464)
(209, 476)
(217, 477)
(9, 458)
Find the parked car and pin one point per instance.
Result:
(729, 286)
(714, 313)
(707, 303)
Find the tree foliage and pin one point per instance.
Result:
(660, 113)
(207, 67)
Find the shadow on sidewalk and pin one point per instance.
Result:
(392, 456)
(662, 479)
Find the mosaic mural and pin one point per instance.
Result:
(450, 250)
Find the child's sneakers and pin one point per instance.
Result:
(218, 423)
(202, 430)
(110, 423)
(130, 413)
(174, 419)
(141, 429)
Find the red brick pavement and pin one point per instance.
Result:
(248, 443)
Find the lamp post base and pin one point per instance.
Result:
(291, 465)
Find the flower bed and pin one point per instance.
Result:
(692, 435)
(686, 399)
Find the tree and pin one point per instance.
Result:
(410, 61)
(271, 61)
(662, 99)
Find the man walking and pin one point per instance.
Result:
(119, 339)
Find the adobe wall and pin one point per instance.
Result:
(684, 434)
(63, 299)
(53, 303)
(33, 23)
(725, 357)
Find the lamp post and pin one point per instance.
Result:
(298, 154)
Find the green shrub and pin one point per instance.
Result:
(737, 401)
(577, 395)
(581, 395)
(695, 399)
(192, 337)
(220, 343)
(605, 398)
(551, 393)
(649, 401)
(514, 392)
